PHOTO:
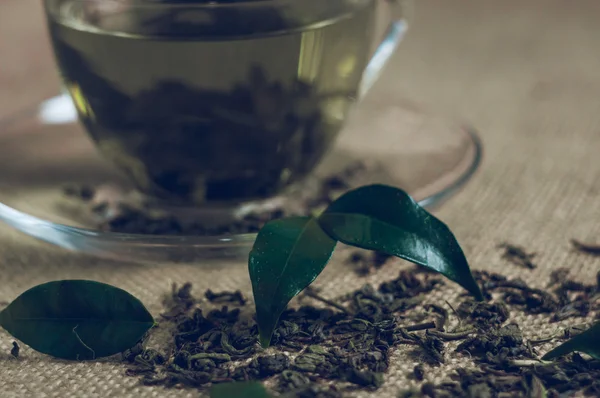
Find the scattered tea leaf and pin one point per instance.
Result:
(386, 219)
(518, 255)
(14, 351)
(419, 372)
(586, 248)
(239, 390)
(587, 342)
(77, 319)
(287, 256)
(235, 298)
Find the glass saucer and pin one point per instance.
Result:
(44, 148)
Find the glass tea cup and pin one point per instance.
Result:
(202, 102)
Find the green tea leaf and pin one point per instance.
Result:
(77, 319)
(287, 256)
(587, 342)
(250, 389)
(386, 219)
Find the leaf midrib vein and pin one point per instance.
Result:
(409, 258)
(287, 260)
(78, 320)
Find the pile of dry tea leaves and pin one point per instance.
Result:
(337, 346)
(124, 215)
(508, 364)
(348, 341)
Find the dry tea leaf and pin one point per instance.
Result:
(77, 319)
(239, 390)
(585, 247)
(287, 256)
(535, 387)
(386, 219)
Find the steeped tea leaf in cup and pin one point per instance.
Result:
(198, 103)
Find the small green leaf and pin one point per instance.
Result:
(587, 342)
(386, 219)
(287, 256)
(249, 389)
(77, 319)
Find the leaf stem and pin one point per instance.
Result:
(451, 336)
(528, 363)
(545, 339)
(420, 326)
(407, 341)
(312, 294)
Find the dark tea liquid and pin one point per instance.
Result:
(195, 109)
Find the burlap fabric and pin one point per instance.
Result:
(526, 74)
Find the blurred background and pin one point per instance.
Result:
(451, 51)
(501, 51)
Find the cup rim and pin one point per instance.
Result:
(215, 5)
(327, 9)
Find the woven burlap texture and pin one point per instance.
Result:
(526, 74)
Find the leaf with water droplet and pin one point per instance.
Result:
(77, 319)
(587, 342)
(287, 256)
(388, 220)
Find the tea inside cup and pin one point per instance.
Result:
(225, 102)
